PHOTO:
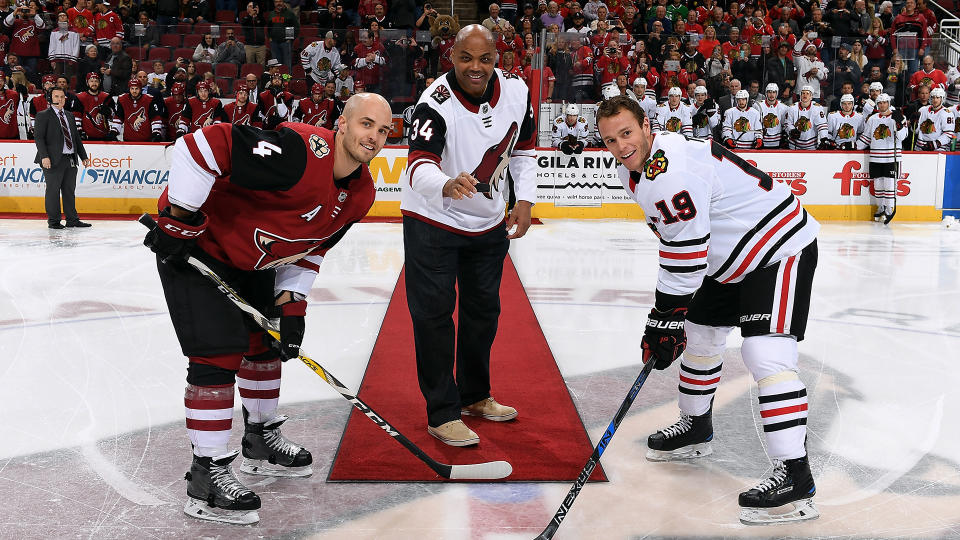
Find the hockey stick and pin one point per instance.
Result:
(587, 470)
(491, 470)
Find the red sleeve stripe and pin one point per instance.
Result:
(303, 263)
(415, 155)
(207, 152)
(683, 256)
(196, 155)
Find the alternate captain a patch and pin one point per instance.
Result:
(440, 94)
(656, 165)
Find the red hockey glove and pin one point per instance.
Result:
(664, 338)
(730, 143)
(758, 144)
(173, 237)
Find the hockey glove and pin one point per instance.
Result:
(699, 119)
(731, 143)
(292, 327)
(795, 134)
(758, 143)
(664, 338)
(566, 148)
(898, 118)
(826, 144)
(845, 146)
(173, 237)
(156, 137)
(578, 147)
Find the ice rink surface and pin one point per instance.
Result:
(92, 443)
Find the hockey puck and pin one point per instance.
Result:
(482, 187)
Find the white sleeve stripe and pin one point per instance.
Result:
(204, 147)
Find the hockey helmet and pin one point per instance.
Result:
(241, 87)
(609, 90)
(742, 94)
(93, 75)
(134, 83)
(806, 88)
(846, 98)
(317, 88)
(883, 97)
(203, 85)
(674, 91)
(876, 86)
(640, 81)
(938, 92)
(571, 110)
(772, 87)
(50, 79)
(700, 90)
(178, 89)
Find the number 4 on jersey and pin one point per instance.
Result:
(264, 149)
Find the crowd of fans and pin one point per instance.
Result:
(153, 69)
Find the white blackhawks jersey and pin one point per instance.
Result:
(674, 120)
(561, 130)
(320, 61)
(812, 123)
(742, 126)
(704, 128)
(648, 105)
(453, 133)
(716, 215)
(881, 136)
(772, 120)
(936, 126)
(844, 128)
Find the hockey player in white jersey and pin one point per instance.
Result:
(935, 127)
(806, 122)
(736, 249)
(883, 134)
(870, 104)
(570, 131)
(674, 116)
(319, 58)
(741, 124)
(843, 127)
(704, 114)
(773, 114)
(647, 103)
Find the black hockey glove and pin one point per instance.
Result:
(898, 118)
(156, 137)
(173, 238)
(292, 327)
(578, 147)
(845, 146)
(826, 144)
(795, 134)
(664, 338)
(699, 119)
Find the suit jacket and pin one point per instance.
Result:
(49, 137)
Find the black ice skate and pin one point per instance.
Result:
(784, 497)
(266, 452)
(878, 216)
(215, 494)
(887, 218)
(688, 438)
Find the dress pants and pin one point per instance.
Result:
(61, 180)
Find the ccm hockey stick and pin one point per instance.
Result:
(491, 470)
(587, 470)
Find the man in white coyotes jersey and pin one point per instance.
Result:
(674, 116)
(570, 131)
(883, 133)
(647, 103)
(704, 114)
(736, 249)
(935, 127)
(806, 122)
(773, 114)
(844, 126)
(469, 125)
(319, 58)
(741, 124)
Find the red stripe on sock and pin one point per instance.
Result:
(209, 425)
(688, 380)
(259, 394)
(783, 410)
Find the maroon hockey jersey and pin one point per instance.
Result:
(37, 104)
(245, 115)
(9, 101)
(96, 114)
(137, 119)
(316, 114)
(269, 196)
(203, 113)
(178, 117)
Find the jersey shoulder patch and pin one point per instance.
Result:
(440, 94)
(559, 120)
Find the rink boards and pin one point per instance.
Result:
(127, 178)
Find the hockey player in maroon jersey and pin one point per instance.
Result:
(204, 109)
(40, 102)
(97, 111)
(178, 112)
(261, 208)
(275, 102)
(242, 112)
(316, 111)
(137, 117)
(9, 103)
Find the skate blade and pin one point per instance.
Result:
(262, 467)
(801, 510)
(200, 510)
(691, 451)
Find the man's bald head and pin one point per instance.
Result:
(366, 101)
(475, 31)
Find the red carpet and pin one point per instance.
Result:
(546, 442)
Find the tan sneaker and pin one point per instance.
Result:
(454, 433)
(491, 410)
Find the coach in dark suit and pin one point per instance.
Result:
(58, 150)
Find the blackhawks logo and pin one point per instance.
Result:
(846, 131)
(803, 124)
(926, 127)
(742, 125)
(700, 123)
(926, 81)
(655, 165)
(673, 124)
(771, 121)
(882, 132)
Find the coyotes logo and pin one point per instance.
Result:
(656, 165)
(137, 118)
(25, 34)
(8, 111)
(846, 131)
(242, 120)
(882, 132)
(673, 124)
(277, 250)
(201, 119)
(927, 127)
(96, 118)
(803, 124)
(771, 121)
(494, 162)
(741, 125)
(317, 119)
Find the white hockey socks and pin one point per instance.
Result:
(209, 411)
(699, 378)
(259, 384)
(783, 412)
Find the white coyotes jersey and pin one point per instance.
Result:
(716, 215)
(453, 133)
(561, 130)
(881, 136)
(772, 119)
(674, 120)
(742, 127)
(844, 128)
(936, 126)
(812, 123)
(320, 61)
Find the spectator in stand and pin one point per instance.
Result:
(151, 32)
(366, 10)
(928, 76)
(494, 19)
(755, 32)
(782, 71)
(857, 55)
(841, 19)
(909, 32)
(380, 18)
(744, 66)
(885, 13)
(273, 69)
(785, 25)
(90, 63)
(81, 21)
(64, 49)
(206, 50)
(425, 20)
(895, 84)
(212, 85)
(932, 23)
(194, 11)
(862, 19)
(508, 64)
(344, 82)
(168, 12)
(371, 56)
(403, 14)
(843, 70)
(117, 69)
(810, 71)
(716, 69)
(230, 51)
(108, 26)
(552, 16)
(336, 17)
(876, 44)
(590, 9)
(157, 79)
(254, 36)
(9, 105)
(319, 58)
(278, 21)
(25, 26)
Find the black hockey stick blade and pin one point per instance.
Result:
(587, 470)
(491, 470)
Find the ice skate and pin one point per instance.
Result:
(267, 452)
(784, 497)
(878, 215)
(887, 218)
(215, 494)
(688, 438)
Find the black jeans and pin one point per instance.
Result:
(438, 264)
